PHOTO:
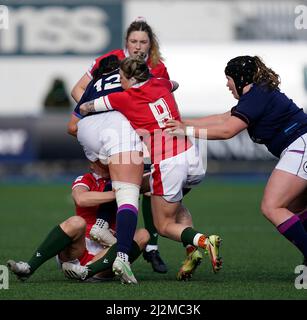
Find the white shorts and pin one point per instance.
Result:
(106, 134)
(171, 175)
(294, 158)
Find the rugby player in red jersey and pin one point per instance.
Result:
(70, 240)
(140, 38)
(148, 103)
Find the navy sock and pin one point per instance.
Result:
(294, 231)
(106, 210)
(126, 221)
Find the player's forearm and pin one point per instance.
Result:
(208, 120)
(87, 107)
(80, 87)
(97, 105)
(218, 132)
(94, 198)
(77, 93)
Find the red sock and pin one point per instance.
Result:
(202, 242)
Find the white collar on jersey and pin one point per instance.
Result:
(128, 55)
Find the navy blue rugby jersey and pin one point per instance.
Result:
(109, 83)
(272, 118)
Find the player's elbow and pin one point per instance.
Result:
(227, 133)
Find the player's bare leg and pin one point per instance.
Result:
(165, 220)
(193, 254)
(281, 190)
(68, 236)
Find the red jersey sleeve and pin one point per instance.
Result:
(84, 181)
(165, 74)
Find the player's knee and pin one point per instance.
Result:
(126, 193)
(74, 225)
(267, 208)
(78, 223)
(141, 237)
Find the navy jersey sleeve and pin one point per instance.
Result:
(107, 84)
(251, 106)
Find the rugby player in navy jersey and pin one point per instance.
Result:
(105, 80)
(272, 119)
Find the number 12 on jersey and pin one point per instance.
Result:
(109, 83)
(161, 111)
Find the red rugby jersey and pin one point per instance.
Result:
(148, 106)
(92, 183)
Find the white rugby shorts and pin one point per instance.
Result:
(171, 175)
(106, 134)
(294, 158)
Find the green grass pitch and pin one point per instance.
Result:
(258, 262)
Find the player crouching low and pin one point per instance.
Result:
(71, 241)
(75, 253)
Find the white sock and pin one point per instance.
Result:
(123, 256)
(100, 222)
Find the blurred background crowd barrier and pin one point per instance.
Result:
(46, 46)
